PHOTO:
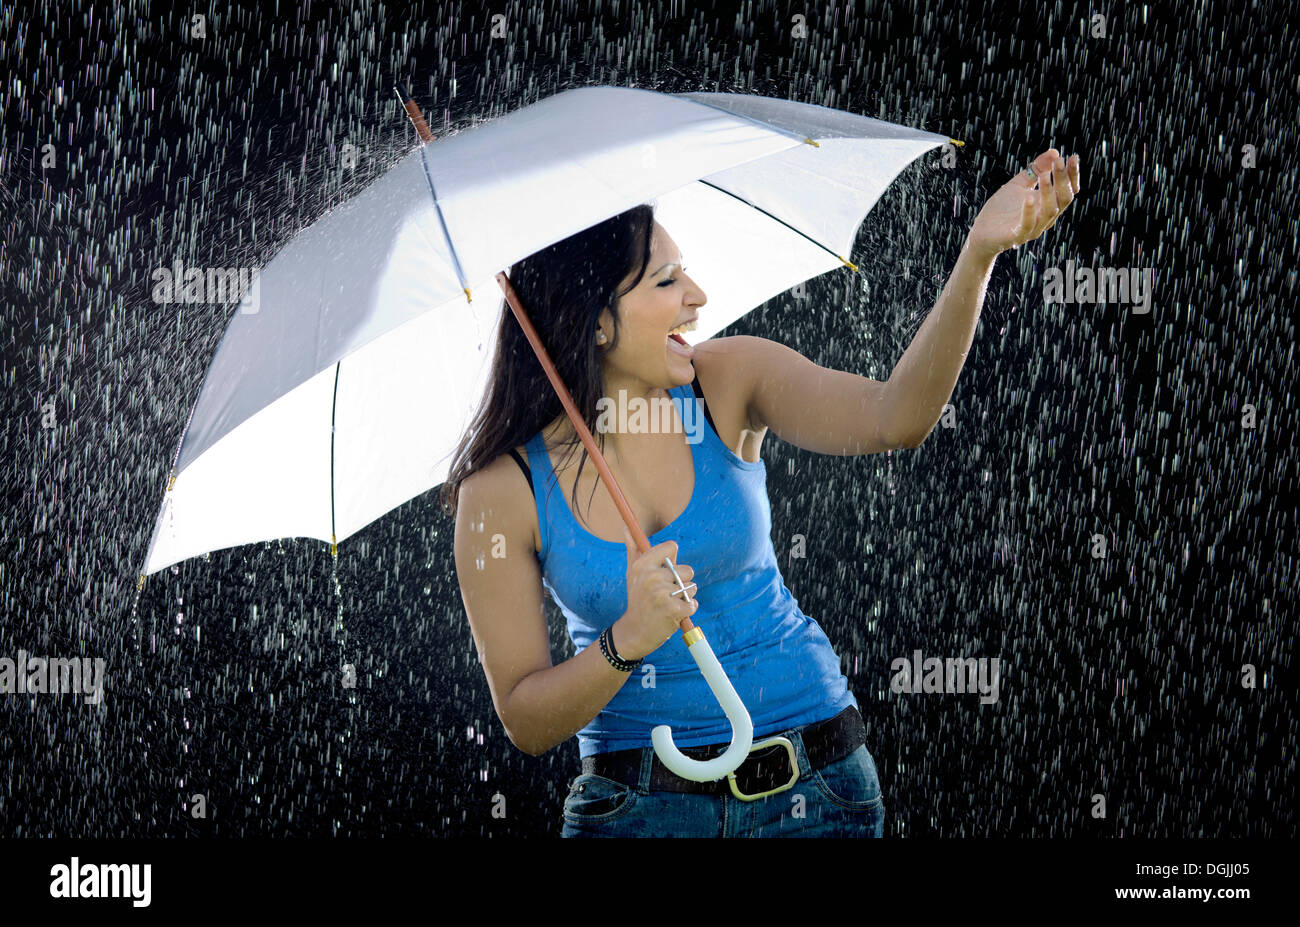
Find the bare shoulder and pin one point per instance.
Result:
(728, 368)
(500, 497)
(736, 358)
(815, 408)
(739, 352)
(727, 352)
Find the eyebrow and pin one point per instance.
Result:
(669, 264)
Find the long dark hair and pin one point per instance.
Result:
(563, 288)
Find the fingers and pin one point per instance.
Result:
(1064, 185)
(1046, 199)
(656, 553)
(1052, 190)
(666, 549)
(1055, 190)
(1027, 213)
(1043, 163)
(685, 572)
(1061, 184)
(1055, 184)
(656, 573)
(656, 556)
(1037, 166)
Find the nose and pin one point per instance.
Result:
(695, 295)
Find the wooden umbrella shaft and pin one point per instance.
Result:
(620, 501)
(413, 112)
(584, 433)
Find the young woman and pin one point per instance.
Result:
(530, 516)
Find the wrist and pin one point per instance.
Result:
(621, 639)
(980, 249)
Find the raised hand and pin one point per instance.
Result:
(1025, 207)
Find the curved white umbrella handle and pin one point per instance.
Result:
(742, 728)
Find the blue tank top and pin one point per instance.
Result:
(779, 660)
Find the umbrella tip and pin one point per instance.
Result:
(808, 141)
(468, 298)
(849, 264)
(955, 142)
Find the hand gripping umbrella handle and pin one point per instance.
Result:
(742, 728)
(661, 736)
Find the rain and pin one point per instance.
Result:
(1102, 511)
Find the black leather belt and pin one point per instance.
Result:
(763, 771)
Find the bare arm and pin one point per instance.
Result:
(818, 409)
(540, 705)
(924, 377)
(926, 374)
(835, 412)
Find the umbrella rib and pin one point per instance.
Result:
(334, 408)
(853, 267)
(804, 139)
(442, 221)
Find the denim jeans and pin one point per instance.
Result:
(842, 799)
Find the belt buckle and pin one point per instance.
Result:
(794, 769)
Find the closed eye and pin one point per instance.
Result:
(670, 281)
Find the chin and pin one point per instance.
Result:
(677, 380)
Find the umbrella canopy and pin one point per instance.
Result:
(344, 394)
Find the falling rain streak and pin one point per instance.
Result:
(296, 695)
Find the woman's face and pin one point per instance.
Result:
(661, 302)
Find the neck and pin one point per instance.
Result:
(616, 444)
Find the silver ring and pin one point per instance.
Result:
(683, 589)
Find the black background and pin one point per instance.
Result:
(1119, 676)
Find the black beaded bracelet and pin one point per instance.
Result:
(607, 648)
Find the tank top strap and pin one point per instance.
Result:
(545, 481)
(543, 476)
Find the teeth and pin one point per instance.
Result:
(682, 329)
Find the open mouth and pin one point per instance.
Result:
(677, 344)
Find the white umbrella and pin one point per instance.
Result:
(345, 393)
